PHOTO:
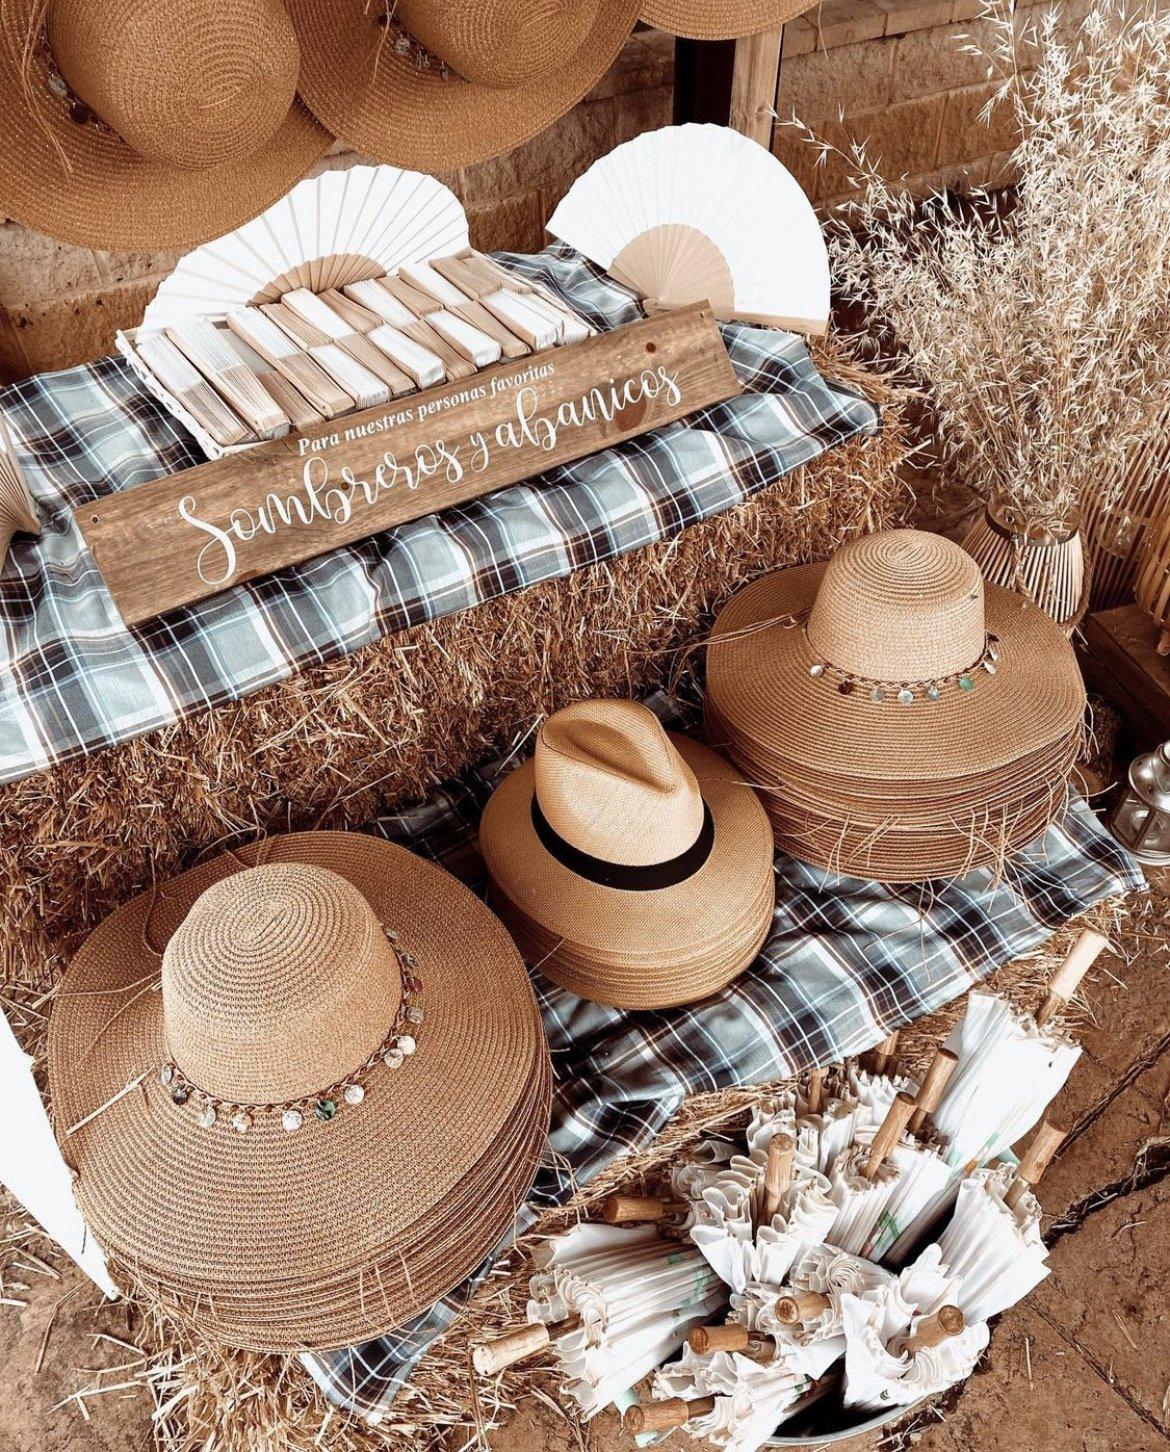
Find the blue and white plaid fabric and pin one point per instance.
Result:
(73, 678)
(846, 963)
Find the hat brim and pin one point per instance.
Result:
(697, 20)
(80, 183)
(385, 106)
(338, 1231)
(759, 686)
(724, 906)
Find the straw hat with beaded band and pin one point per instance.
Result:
(704, 20)
(902, 610)
(340, 1091)
(631, 864)
(129, 124)
(438, 84)
(900, 721)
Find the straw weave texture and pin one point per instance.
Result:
(634, 949)
(411, 111)
(243, 1229)
(200, 128)
(876, 788)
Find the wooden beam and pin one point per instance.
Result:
(754, 84)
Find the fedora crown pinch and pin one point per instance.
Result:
(613, 786)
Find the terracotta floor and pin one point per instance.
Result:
(1082, 1366)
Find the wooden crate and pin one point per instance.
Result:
(1121, 663)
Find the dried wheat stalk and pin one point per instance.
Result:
(1039, 325)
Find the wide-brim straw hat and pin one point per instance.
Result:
(901, 609)
(707, 20)
(632, 865)
(279, 989)
(900, 719)
(129, 124)
(439, 84)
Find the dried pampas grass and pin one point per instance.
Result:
(1038, 324)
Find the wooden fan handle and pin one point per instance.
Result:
(631, 1209)
(801, 1306)
(732, 1337)
(667, 1415)
(934, 1081)
(1034, 1161)
(1066, 980)
(946, 1322)
(889, 1133)
(777, 1173)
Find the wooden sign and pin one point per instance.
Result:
(185, 537)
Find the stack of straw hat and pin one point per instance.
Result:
(901, 720)
(630, 864)
(303, 1099)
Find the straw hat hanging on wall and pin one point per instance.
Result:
(719, 19)
(131, 124)
(439, 84)
(631, 865)
(303, 1099)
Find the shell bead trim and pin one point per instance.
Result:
(905, 693)
(323, 1106)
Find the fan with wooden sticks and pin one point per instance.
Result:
(331, 230)
(696, 212)
(18, 514)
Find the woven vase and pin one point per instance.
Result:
(1115, 537)
(1152, 582)
(1044, 562)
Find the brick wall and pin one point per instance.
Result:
(891, 71)
(900, 76)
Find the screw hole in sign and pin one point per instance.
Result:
(95, 519)
(652, 347)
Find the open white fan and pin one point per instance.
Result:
(340, 227)
(700, 212)
(18, 513)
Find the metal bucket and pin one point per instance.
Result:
(810, 1431)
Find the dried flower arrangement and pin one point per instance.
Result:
(1037, 324)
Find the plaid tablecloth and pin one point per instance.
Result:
(73, 678)
(846, 963)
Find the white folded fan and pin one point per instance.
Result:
(699, 212)
(333, 229)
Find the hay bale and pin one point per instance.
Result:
(337, 743)
(331, 748)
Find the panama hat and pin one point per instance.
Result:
(129, 124)
(438, 84)
(304, 1088)
(705, 20)
(901, 719)
(631, 865)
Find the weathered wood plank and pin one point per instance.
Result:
(754, 83)
(182, 538)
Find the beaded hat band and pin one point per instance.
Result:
(396, 1048)
(279, 989)
(905, 693)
